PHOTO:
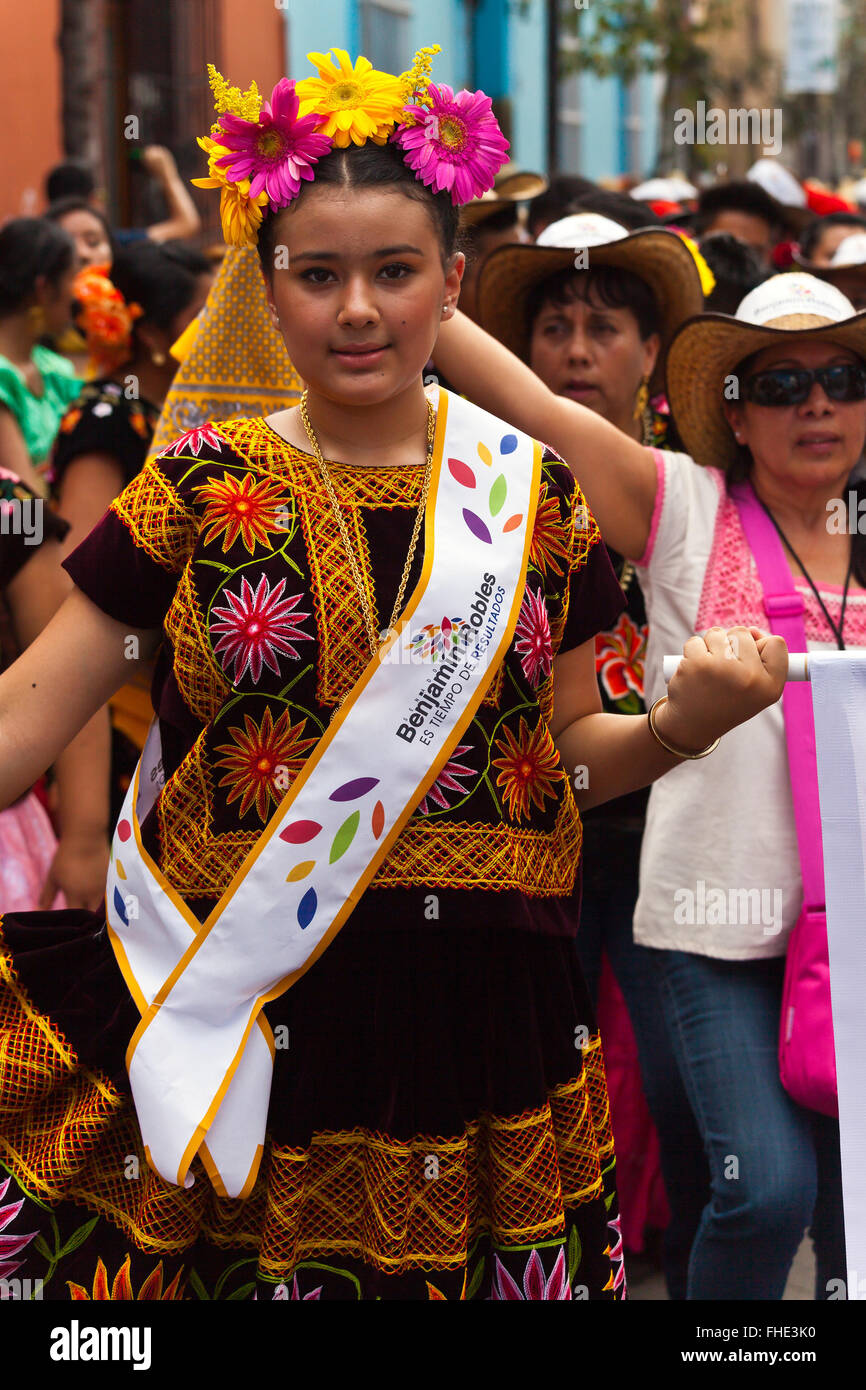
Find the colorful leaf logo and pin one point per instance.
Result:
(307, 908)
(301, 870)
(344, 836)
(484, 454)
(377, 821)
(498, 494)
(476, 526)
(300, 831)
(461, 472)
(352, 791)
(120, 906)
(508, 444)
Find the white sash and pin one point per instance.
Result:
(201, 1060)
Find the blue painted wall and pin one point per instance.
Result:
(510, 60)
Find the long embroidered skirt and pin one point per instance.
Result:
(438, 1129)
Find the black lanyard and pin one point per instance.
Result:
(836, 631)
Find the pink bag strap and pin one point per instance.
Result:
(785, 609)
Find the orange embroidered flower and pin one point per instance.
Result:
(263, 762)
(548, 535)
(70, 420)
(529, 766)
(150, 1291)
(139, 424)
(244, 508)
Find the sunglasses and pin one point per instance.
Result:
(780, 386)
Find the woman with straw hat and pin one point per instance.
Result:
(592, 309)
(776, 395)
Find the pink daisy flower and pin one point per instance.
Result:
(191, 442)
(276, 152)
(447, 781)
(256, 627)
(533, 644)
(456, 144)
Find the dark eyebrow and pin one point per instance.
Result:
(383, 251)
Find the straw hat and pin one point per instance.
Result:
(847, 269)
(707, 350)
(512, 185)
(657, 255)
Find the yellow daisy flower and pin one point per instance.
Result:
(240, 214)
(356, 103)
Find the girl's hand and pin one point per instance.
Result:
(78, 870)
(725, 678)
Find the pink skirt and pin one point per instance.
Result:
(27, 847)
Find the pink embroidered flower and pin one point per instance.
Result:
(447, 781)
(619, 658)
(536, 1287)
(191, 442)
(11, 1245)
(617, 1259)
(282, 1295)
(276, 152)
(533, 644)
(256, 627)
(456, 144)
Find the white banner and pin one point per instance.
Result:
(839, 703)
(812, 33)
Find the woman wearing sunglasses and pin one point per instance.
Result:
(775, 397)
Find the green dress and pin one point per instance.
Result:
(38, 417)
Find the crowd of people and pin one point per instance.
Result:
(439, 1122)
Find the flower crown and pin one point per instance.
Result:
(104, 318)
(259, 152)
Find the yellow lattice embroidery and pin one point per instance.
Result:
(202, 684)
(68, 1135)
(158, 519)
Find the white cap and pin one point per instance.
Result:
(778, 181)
(851, 251)
(794, 293)
(675, 189)
(581, 229)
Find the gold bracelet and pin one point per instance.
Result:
(676, 751)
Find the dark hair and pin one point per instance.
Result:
(737, 267)
(614, 288)
(160, 276)
(73, 179)
(371, 166)
(739, 196)
(619, 207)
(563, 191)
(30, 247)
(813, 233)
(63, 206)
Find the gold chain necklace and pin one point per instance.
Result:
(373, 638)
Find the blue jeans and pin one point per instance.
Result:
(774, 1166)
(607, 907)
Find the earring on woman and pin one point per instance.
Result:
(643, 410)
(36, 315)
(158, 358)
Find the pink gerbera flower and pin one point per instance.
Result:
(276, 152)
(192, 441)
(256, 628)
(533, 644)
(456, 144)
(447, 781)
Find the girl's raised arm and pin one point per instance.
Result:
(617, 475)
(57, 685)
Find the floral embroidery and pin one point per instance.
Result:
(256, 626)
(150, 1291)
(281, 1293)
(447, 781)
(530, 768)
(11, 1245)
(617, 1258)
(258, 755)
(533, 643)
(192, 441)
(619, 661)
(241, 507)
(536, 1286)
(548, 539)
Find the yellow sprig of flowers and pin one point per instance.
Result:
(416, 80)
(246, 104)
(708, 279)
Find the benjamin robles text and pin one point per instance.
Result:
(435, 699)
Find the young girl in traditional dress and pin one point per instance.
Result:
(375, 698)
